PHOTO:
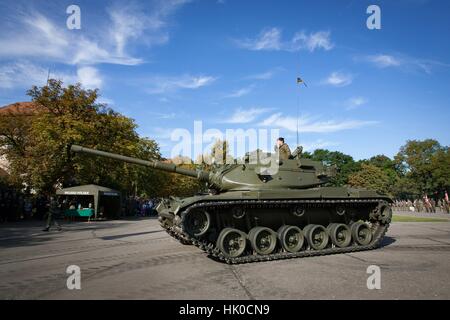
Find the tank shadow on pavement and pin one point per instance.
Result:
(387, 241)
(119, 236)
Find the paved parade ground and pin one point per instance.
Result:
(136, 259)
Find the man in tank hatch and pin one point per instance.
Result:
(283, 149)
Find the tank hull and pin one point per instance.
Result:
(267, 219)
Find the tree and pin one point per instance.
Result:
(345, 164)
(423, 162)
(381, 161)
(405, 188)
(14, 137)
(388, 166)
(71, 115)
(440, 164)
(370, 177)
(179, 185)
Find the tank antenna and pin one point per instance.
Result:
(48, 75)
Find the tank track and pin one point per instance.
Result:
(380, 225)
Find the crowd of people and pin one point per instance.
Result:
(140, 207)
(424, 204)
(15, 206)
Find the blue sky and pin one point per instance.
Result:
(233, 64)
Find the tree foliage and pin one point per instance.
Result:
(346, 164)
(179, 185)
(420, 167)
(370, 177)
(71, 115)
(14, 137)
(387, 165)
(426, 163)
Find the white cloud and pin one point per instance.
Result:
(240, 92)
(384, 60)
(37, 37)
(246, 115)
(269, 39)
(338, 79)
(318, 144)
(404, 62)
(89, 77)
(89, 52)
(104, 100)
(21, 74)
(306, 124)
(261, 76)
(264, 75)
(313, 41)
(131, 22)
(24, 74)
(33, 35)
(163, 84)
(355, 102)
(127, 25)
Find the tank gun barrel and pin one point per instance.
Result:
(158, 165)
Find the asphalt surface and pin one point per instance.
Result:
(136, 259)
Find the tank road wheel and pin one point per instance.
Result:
(361, 233)
(197, 222)
(316, 235)
(291, 238)
(340, 234)
(231, 242)
(263, 240)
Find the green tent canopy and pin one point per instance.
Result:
(98, 192)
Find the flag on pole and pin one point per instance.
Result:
(300, 81)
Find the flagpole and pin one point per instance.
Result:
(299, 82)
(298, 115)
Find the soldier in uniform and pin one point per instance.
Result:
(283, 149)
(419, 205)
(52, 215)
(433, 205)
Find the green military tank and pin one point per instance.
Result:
(255, 213)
